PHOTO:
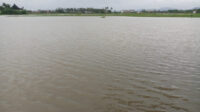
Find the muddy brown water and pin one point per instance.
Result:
(91, 64)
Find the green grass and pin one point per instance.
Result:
(125, 14)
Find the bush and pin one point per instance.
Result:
(198, 11)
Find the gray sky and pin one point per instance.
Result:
(116, 4)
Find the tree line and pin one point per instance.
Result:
(197, 10)
(76, 10)
(180, 11)
(14, 9)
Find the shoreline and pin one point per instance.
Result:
(189, 15)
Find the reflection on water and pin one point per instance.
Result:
(90, 64)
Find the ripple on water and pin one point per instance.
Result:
(123, 65)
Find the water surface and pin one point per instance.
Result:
(91, 64)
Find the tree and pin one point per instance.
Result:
(6, 5)
(1, 8)
(60, 10)
(15, 7)
(7, 9)
(198, 10)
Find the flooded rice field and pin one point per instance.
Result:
(93, 64)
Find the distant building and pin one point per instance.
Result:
(128, 11)
(194, 12)
(88, 12)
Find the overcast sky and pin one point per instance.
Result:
(116, 4)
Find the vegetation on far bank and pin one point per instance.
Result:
(7, 9)
(158, 14)
(124, 14)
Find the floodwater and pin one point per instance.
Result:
(93, 64)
